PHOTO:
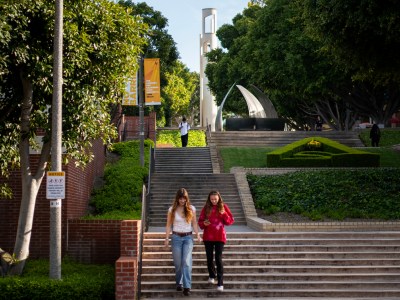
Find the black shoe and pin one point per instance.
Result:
(186, 292)
(179, 287)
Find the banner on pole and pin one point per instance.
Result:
(152, 81)
(130, 94)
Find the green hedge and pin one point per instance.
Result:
(124, 180)
(336, 155)
(348, 193)
(197, 138)
(79, 281)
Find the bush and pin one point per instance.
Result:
(79, 281)
(336, 155)
(121, 193)
(362, 193)
(197, 138)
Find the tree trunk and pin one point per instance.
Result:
(30, 188)
(30, 183)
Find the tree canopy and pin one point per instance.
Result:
(292, 52)
(161, 45)
(102, 43)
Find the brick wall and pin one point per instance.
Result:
(89, 241)
(127, 266)
(132, 127)
(94, 241)
(79, 184)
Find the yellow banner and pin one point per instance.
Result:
(130, 94)
(152, 81)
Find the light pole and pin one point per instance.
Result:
(56, 133)
(141, 82)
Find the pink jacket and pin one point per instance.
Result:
(215, 232)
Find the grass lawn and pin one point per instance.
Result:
(247, 157)
(352, 193)
(255, 157)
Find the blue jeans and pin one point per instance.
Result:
(182, 255)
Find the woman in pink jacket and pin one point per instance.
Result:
(213, 217)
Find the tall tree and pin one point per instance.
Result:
(294, 53)
(225, 67)
(101, 45)
(363, 38)
(160, 45)
(179, 91)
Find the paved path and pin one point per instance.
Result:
(232, 228)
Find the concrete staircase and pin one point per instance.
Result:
(164, 187)
(183, 160)
(344, 265)
(190, 168)
(279, 138)
(271, 265)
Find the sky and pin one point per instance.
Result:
(184, 23)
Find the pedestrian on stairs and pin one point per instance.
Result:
(181, 220)
(213, 218)
(184, 127)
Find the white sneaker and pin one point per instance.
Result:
(220, 288)
(211, 280)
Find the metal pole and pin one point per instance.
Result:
(141, 109)
(56, 133)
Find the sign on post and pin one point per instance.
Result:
(55, 185)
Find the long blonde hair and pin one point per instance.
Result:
(209, 204)
(187, 210)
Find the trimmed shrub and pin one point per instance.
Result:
(123, 182)
(351, 193)
(79, 281)
(197, 138)
(329, 154)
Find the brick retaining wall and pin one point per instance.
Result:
(79, 184)
(127, 266)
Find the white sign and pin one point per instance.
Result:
(55, 203)
(55, 185)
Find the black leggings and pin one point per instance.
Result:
(219, 248)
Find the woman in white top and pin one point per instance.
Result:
(181, 219)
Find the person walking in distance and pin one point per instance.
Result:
(184, 128)
(318, 124)
(375, 135)
(213, 218)
(181, 220)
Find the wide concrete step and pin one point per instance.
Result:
(279, 138)
(256, 262)
(292, 235)
(164, 187)
(200, 278)
(266, 293)
(162, 222)
(311, 255)
(183, 160)
(273, 270)
(194, 178)
(285, 264)
(296, 241)
(297, 284)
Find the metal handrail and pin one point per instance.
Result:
(145, 198)
(139, 289)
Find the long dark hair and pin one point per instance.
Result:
(187, 210)
(209, 204)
